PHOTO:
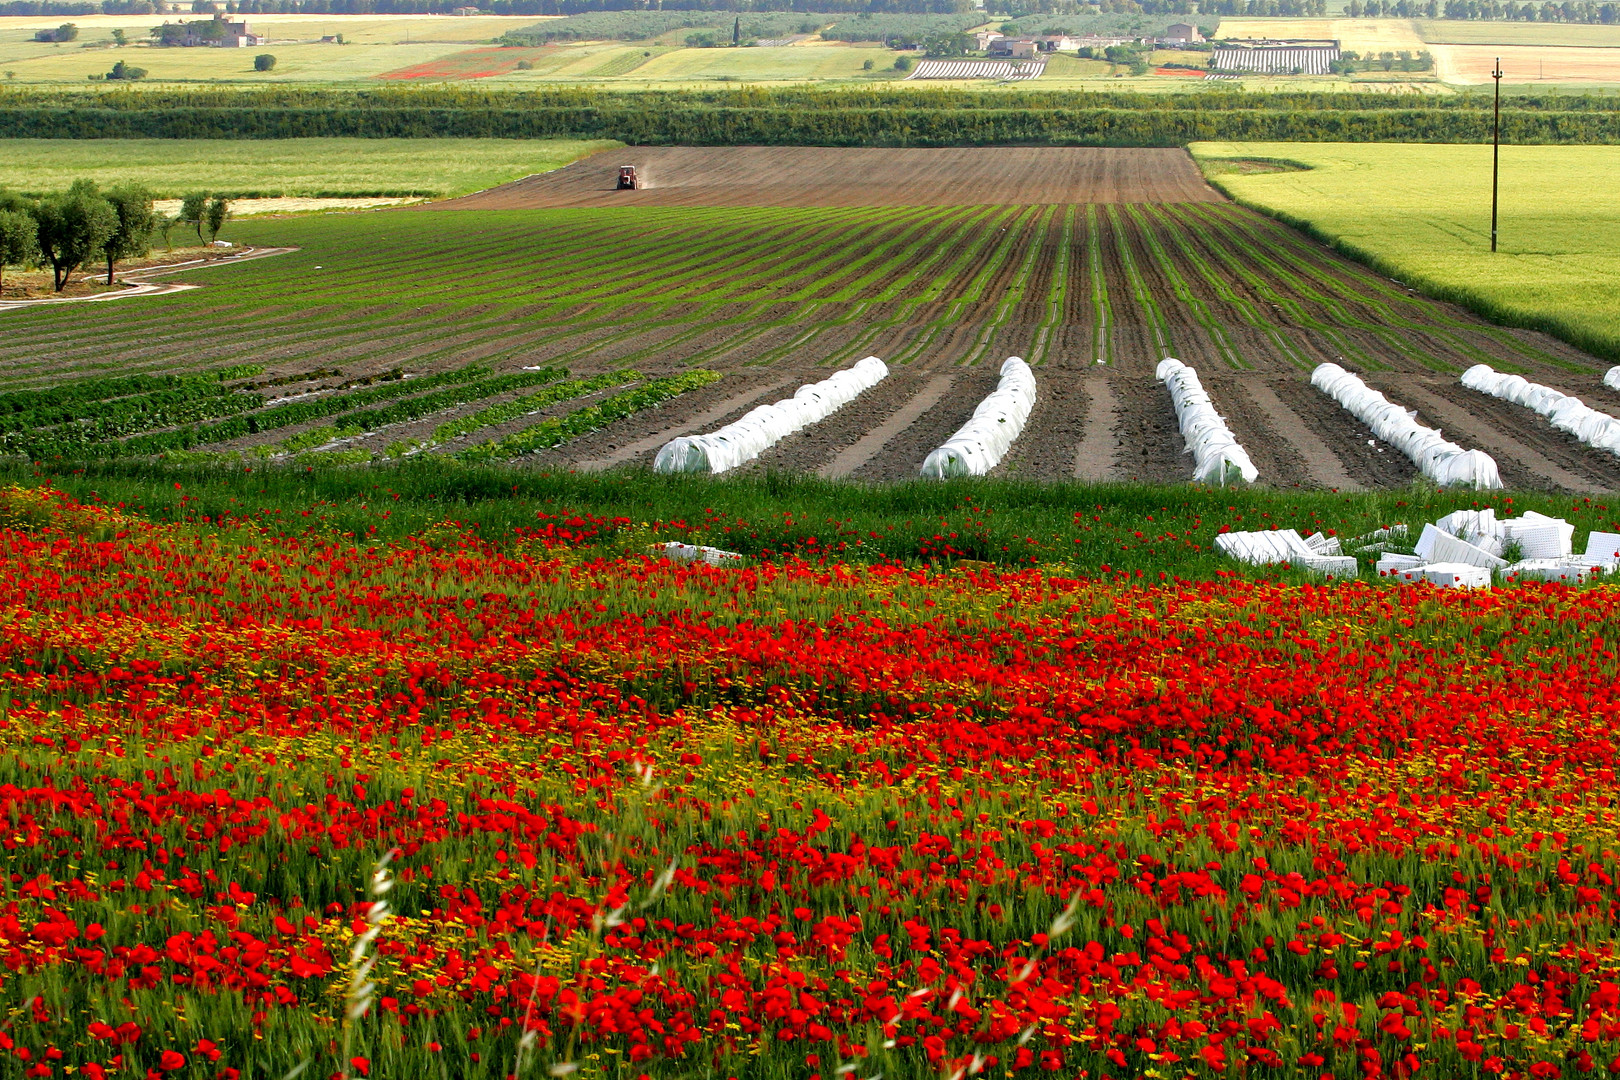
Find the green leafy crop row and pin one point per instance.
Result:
(556, 431)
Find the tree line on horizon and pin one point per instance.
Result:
(68, 229)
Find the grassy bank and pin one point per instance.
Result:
(1422, 215)
(301, 167)
(1132, 530)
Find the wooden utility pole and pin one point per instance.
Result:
(1496, 147)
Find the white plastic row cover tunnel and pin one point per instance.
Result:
(761, 428)
(1566, 413)
(985, 439)
(1444, 462)
(1217, 457)
(1612, 378)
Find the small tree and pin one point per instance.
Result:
(868, 65)
(19, 240)
(266, 62)
(219, 208)
(129, 72)
(193, 205)
(120, 39)
(903, 64)
(133, 236)
(72, 227)
(66, 32)
(164, 225)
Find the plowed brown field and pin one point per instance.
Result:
(826, 176)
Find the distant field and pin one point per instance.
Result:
(374, 44)
(1459, 32)
(430, 49)
(286, 166)
(1361, 35)
(1423, 213)
(295, 63)
(1527, 64)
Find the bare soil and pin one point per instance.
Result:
(824, 176)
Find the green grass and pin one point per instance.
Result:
(1421, 214)
(307, 167)
(1129, 529)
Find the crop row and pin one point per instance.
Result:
(614, 288)
(78, 396)
(523, 406)
(93, 420)
(558, 430)
(414, 408)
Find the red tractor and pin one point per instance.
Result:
(628, 181)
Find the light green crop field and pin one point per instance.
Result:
(295, 63)
(1421, 213)
(1460, 32)
(797, 63)
(373, 45)
(309, 167)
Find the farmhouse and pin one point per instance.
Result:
(1311, 57)
(1012, 48)
(1181, 34)
(218, 32)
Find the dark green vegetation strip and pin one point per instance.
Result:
(417, 407)
(806, 117)
(100, 409)
(54, 442)
(558, 430)
(523, 406)
(1138, 531)
(77, 393)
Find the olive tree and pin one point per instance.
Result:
(218, 209)
(73, 227)
(133, 236)
(19, 239)
(193, 206)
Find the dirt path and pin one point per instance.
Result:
(1151, 449)
(868, 446)
(1320, 464)
(828, 176)
(135, 283)
(1094, 457)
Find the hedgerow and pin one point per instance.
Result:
(819, 118)
(831, 126)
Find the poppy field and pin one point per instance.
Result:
(288, 803)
